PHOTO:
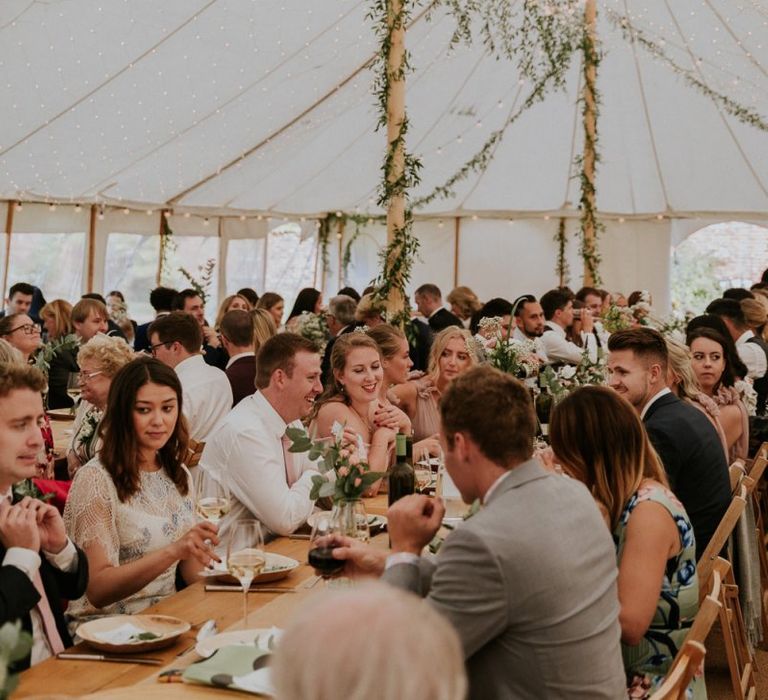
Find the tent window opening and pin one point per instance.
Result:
(54, 262)
(715, 258)
(131, 267)
(291, 260)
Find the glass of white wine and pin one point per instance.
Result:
(212, 499)
(245, 556)
(422, 468)
(74, 387)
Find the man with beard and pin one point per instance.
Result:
(529, 323)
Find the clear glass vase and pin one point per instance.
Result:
(352, 519)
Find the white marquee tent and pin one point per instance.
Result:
(223, 109)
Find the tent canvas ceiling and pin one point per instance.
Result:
(266, 106)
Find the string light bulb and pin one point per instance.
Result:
(78, 208)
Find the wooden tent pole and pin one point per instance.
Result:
(456, 241)
(8, 232)
(160, 261)
(91, 248)
(590, 132)
(395, 117)
(340, 239)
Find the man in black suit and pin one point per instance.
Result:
(429, 302)
(161, 299)
(237, 338)
(40, 565)
(685, 439)
(19, 299)
(340, 319)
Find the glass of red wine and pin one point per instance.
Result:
(323, 539)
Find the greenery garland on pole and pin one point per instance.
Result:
(167, 248)
(400, 169)
(744, 114)
(587, 162)
(323, 241)
(562, 268)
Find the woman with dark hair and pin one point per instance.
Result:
(713, 366)
(310, 301)
(717, 323)
(131, 508)
(597, 438)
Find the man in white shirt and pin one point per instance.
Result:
(530, 324)
(558, 310)
(31, 585)
(249, 449)
(175, 340)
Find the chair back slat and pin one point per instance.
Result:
(686, 664)
(720, 536)
(194, 452)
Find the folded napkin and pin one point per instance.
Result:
(121, 635)
(235, 667)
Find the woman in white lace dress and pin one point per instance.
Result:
(131, 508)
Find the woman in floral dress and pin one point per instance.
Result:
(131, 509)
(598, 438)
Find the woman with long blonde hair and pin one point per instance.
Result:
(598, 438)
(452, 353)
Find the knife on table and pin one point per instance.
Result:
(116, 659)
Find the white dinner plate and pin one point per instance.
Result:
(119, 634)
(276, 567)
(373, 520)
(266, 638)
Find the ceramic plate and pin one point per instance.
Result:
(373, 520)
(128, 634)
(276, 568)
(61, 414)
(263, 637)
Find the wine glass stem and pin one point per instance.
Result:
(245, 607)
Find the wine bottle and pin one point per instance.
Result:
(544, 404)
(401, 477)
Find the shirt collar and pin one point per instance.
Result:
(270, 416)
(663, 392)
(235, 358)
(495, 486)
(744, 337)
(558, 329)
(190, 362)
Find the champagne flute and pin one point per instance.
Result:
(321, 542)
(212, 498)
(245, 556)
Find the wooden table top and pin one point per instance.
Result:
(194, 604)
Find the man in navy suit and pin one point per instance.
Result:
(429, 302)
(40, 564)
(685, 439)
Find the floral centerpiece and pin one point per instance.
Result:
(352, 473)
(567, 378)
(618, 318)
(313, 327)
(510, 355)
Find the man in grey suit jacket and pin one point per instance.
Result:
(529, 582)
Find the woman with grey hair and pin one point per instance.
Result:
(417, 653)
(100, 359)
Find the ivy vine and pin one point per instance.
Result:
(323, 241)
(743, 114)
(589, 220)
(562, 269)
(167, 249)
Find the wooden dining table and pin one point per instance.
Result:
(195, 605)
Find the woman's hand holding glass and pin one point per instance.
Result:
(197, 543)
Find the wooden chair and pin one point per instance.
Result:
(757, 490)
(687, 662)
(720, 537)
(194, 452)
(691, 655)
(737, 471)
(741, 663)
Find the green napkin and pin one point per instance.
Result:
(236, 667)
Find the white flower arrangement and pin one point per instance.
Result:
(313, 327)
